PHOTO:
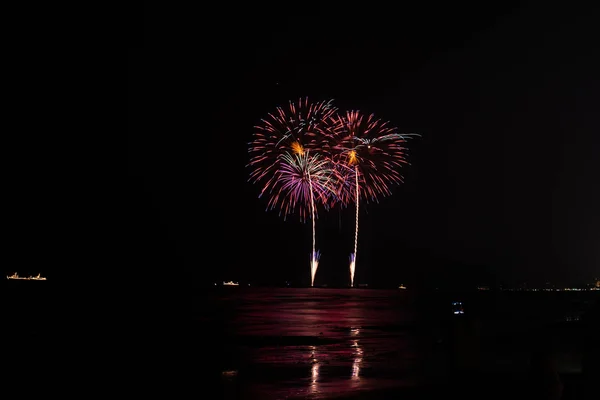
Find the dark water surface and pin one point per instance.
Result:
(318, 342)
(271, 343)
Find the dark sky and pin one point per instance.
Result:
(503, 183)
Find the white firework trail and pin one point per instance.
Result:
(314, 261)
(352, 268)
(314, 264)
(353, 255)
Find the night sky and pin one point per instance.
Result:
(503, 184)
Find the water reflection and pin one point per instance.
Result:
(357, 362)
(312, 343)
(314, 381)
(357, 354)
(292, 343)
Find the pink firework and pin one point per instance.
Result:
(369, 156)
(301, 182)
(373, 151)
(286, 160)
(301, 128)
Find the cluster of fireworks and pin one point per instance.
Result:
(311, 156)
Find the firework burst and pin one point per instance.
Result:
(285, 159)
(373, 150)
(301, 182)
(305, 179)
(307, 156)
(299, 127)
(368, 156)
